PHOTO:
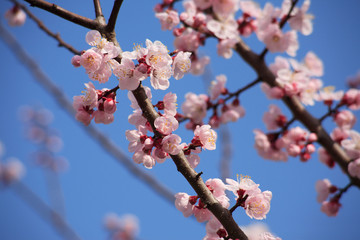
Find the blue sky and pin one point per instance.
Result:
(96, 184)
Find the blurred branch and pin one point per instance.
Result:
(63, 13)
(113, 16)
(297, 109)
(226, 153)
(47, 213)
(97, 135)
(41, 25)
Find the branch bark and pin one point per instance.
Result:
(297, 109)
(113, 16)
(41, 25)
(63, 13)
(98, 10)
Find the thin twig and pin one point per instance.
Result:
(330, 112)
(47, 213)
(41, 25)
(98, 10)
(113, 16)
(61, 12)
(103, 140)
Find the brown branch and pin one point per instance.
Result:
(46, 212)
(63, 13)
(113, 16)
(194, 179)
(98, 10)
(297, 109)
(103, 140)
(41, 25)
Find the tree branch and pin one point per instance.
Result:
(113, 16)
(63, 13)
(98, 10)
(41, 25)
(97, 135)
(47, 213)
(297, 109)
(194, 179)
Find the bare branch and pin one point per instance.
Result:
(98, 10)
(41, 25)
(297, 109)
(113, 16)
(70, 16)
(97, 135)
(45, 211)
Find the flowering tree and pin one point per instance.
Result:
(267, 38)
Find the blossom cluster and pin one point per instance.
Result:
(151, 149)
(154, 61)
(203, 19)
(248, 195)
(195, 106)
(125, 227)
(279, 145)
(38, 131)
(324, 188)
(104, 100)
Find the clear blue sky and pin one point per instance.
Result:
(96, 184)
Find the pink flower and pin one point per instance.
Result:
(91, 61)
(170, 104)
(232, 113)
(15, 16)
(207, 137)
(168, 19)
(134, 138)
(323, 189)
(171, 144)
(188, 41)
(244, 186)
(345, 119)
(218, 87)
(13, 170)
(159, 77)
(268, 236)
(166, 124)
(268, 149)
(125, 227)
(194, 106)
(280, 63)
(331, 208)
(339, 134)
(352, 99)
(314, 64)
(352, 145)
(225, 46)
(142, 157)
(292, 82)
(182, 204)
(203, 4)
(325, 158)
(257, 206)
(198, 65)
(328, 95)
(75, 61)
(354, 168)
(225, 8)
(103, 117)
(223, 29)
(181, 64)
(272, 92)
(137, 118)
(274, 118)
(129, 77)
(300, 20)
